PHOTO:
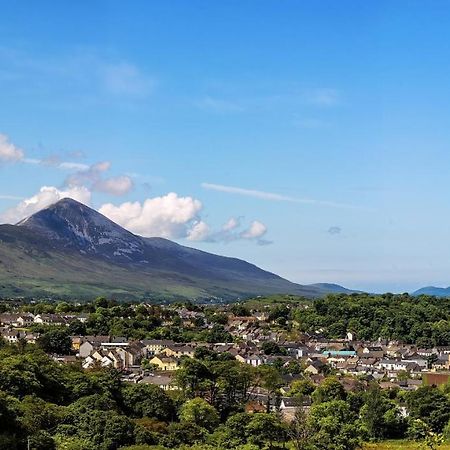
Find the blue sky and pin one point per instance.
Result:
(310, 138)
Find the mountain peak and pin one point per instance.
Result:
(75, 225)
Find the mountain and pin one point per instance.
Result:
(331, 288)
(433, 290)
(69, 250)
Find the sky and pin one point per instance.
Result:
(309, 138)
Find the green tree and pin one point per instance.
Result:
(265, 429)
(430, 405)
(330, 389)
(334, 426)
(381, 416)
(55, 341)
(200, 412)
(147, 400)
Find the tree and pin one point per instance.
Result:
(240, 310)
(200, 412)
(146, 400)
(421, 431)
(270, 379)
(265, 429)
(55, 341)
(334, 426)
(299, 430)
(193, 377)
(272, 348)
(301, 388)
(76, 327)
(430, 405)
(381, 416)
(330, 389)
(183, 433)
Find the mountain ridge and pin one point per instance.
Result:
(433, 290)
(69, 247)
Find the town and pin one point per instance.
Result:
(253, 336)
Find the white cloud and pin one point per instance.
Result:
(46, 196)
(168, 216)
(72, 165)
(8, 151)
(218, 105)
(255, 231)
(120, 185)
(126, 79)
(10, 197)
(324, 97)
(231, 224)
(200, 231)
(93, 178)
(247, 192)
(229, 232)
(270, 196)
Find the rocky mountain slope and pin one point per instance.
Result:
(70, 250)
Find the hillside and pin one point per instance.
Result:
(70, 250)
(433, 290)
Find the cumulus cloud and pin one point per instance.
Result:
(167, 216)
(46, 196)
(114, 185)
(174, 217)
(231, 224)
(229, 232)
(200, 231)
(8, 151)
(255, 230)
(93, 177)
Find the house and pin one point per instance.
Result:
(254, 360)
(11, 336)
(155, 346)
(82, 317)
(315, 367)
(76, 342)
(372, 351)
(165, 363)
(421, 361)
(179, 350)
(49, 319)
(16, 320)
(89, 343)
(163, 381)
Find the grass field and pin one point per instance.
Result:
(399, 445)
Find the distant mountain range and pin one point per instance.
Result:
(433, 290)
(70, 250)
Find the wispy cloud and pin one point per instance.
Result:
(10, 197)
(324, 97)
(271, 196)
(92, 76)
(126, 79)
(310, 124)
(63, 165)
(218, 105)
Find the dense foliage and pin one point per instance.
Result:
(423, 320)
